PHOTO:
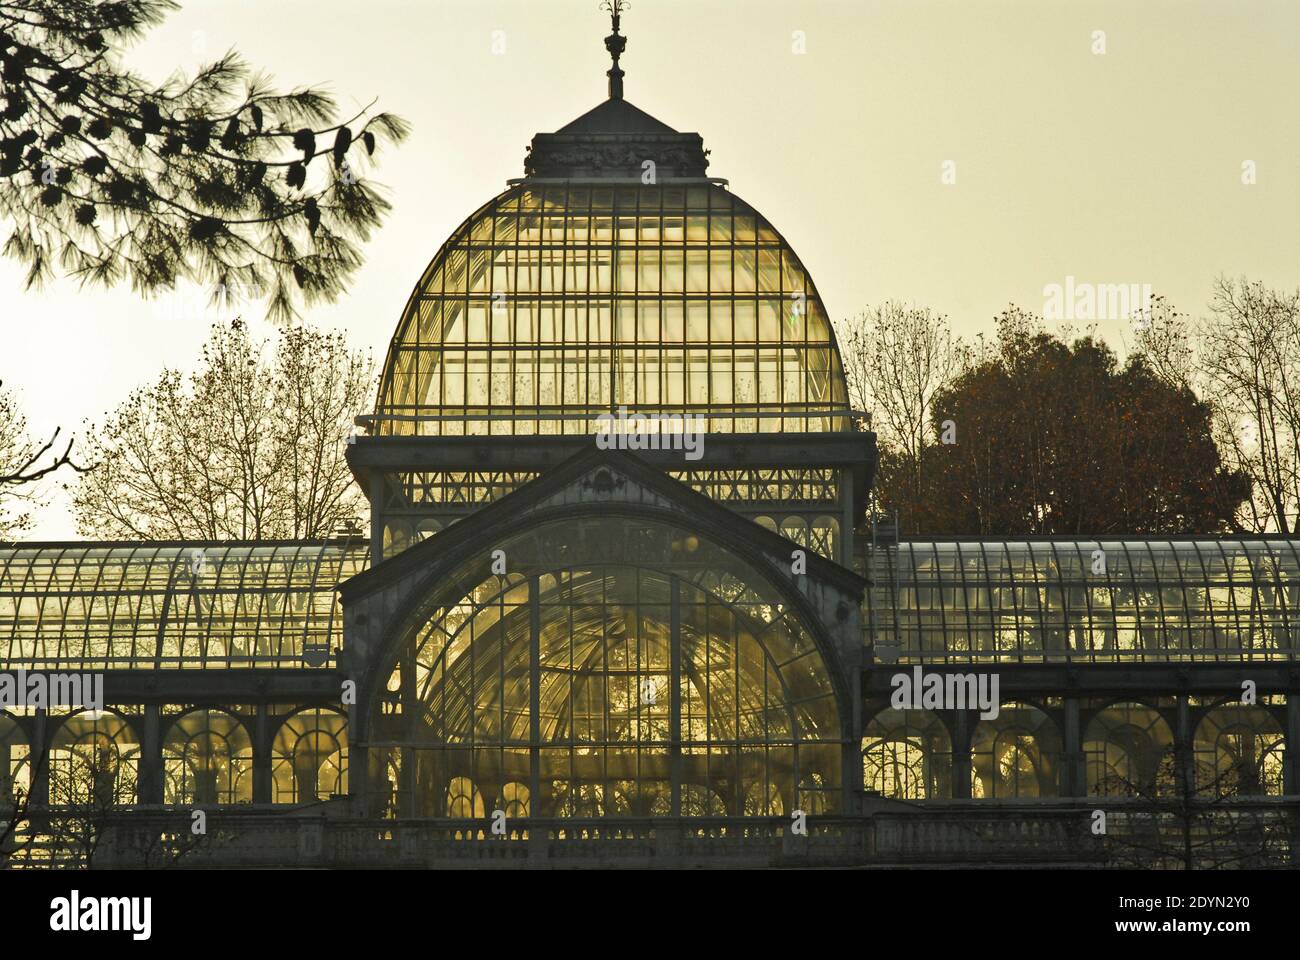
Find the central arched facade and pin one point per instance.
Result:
(652, 651)
(617, 667)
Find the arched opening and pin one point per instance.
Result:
(1239, 750)
(907, 755)
(664, 677)
(94, 761)
(309, 760)
(207, 759)
(1129, 751)
(464, 801)
(1016, 755)
(513, 800)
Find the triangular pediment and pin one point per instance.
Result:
(599, 480)
(385, 602)
(614, 117)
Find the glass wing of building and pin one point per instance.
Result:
(1085, 600)
(221, 605)
(172, 605)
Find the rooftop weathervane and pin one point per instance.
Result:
(615, 44)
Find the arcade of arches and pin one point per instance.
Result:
(1128, 749)
(605, 717)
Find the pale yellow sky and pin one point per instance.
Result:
(1124, 167)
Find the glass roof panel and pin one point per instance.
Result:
(173, 605)
(554, 304)
(1087, 600)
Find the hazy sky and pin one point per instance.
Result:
(1122, 167)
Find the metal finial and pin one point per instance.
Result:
(615, 44)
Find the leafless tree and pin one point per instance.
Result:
(24, 462)
(896, 358)
(16, 808)
(89, 795)
(250, 446)
(1193, 815)
(65, 827)
(1251, 370)
(1166, 339)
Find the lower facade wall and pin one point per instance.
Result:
(1249, 835)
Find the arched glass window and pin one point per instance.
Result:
(699, 801)
(824, 535)
(795, 529)
(309, 761)
(94, 761)
(513, 800)
(1129, 750)
(1016, 754)
(463, 799)
(207, 759)
(659, 673)
(907, 755)
(1240, 751)
(426, 528)
(759, 802)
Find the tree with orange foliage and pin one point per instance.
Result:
(1040, 436)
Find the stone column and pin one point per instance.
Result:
(534, 704)
(262, 755)
(1291, 772)
(151, 763)
(961, 758)
(675, 698)
(1183, 754)
(40, 758)
(1073, 768)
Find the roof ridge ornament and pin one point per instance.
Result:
(615, 140)
(615, 44)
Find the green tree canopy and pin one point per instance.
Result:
(217, 179)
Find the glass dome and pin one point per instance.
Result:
(559, 301)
